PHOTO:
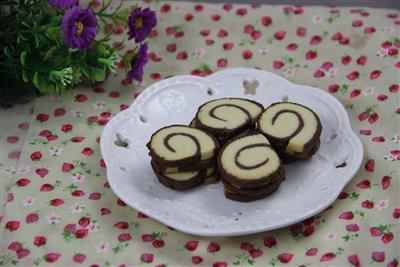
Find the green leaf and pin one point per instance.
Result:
(40, 83)
(25, 77)
(48, 54)
(98, 75)
(22, 57)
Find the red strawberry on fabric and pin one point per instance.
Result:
(246, 246)
(346, 59)
(22, 253)
(66, 167)
(378, 139)
(87, 151)
(266, 21)
(84, 221)
(147, 257)
(357, 23)
(12, 139)
(189, 16)
(346, 215)
(171, 47)
(215, 17)
(352, 227)
(375, 231)
(51, 257)
(81, 233)
(209, 42)
(337, 36)
(354, 260)
(77, 193)
(387, 238)
(248, 28)
(70, 228)
(375, 74)
(255, 253)
(364, 184)
(191, 245)
(361, 60)
(79, 258)
(213, 247)
(122, 225)
(318, 74)
(80, 98)
(14, 246)
(355, 93)
(315, 40)
(197, 260)
(255, 35)
(222, 63)
(32, 218)
(353, 75)
(37, 155)
(23, 182)
(327, 257)
(247, 54)
(365, 132)
(12, 225)
(285, 257)
(104, 211)
(46, 188)
(94, 196)
(158, 243)
(241, 11)
(301, 31)
(227, 7)
(396, 213)
(124, 237)
(280, 35)
(378, 256)
(310, 55)
(220, 264)
(42, 117)
(277, 64)
(181, 56)
(333, 88)
(393, 263)
(228, 46)
(382, 97)
(370, 165)
(291, 46)
(312, 252)
(369, 30)
(39, 241)
(222, 33)
(308, 231)
(147, 237)
(198, 8)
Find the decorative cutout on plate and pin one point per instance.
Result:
(121, 142)
(250, 87)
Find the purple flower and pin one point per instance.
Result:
(140, 23)
(79, 27)
(63, 4)
(137, 64)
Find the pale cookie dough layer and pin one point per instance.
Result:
(292, 124)
(226, 116)
(249, 162)
(177, 144)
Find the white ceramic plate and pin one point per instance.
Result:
(309, 188)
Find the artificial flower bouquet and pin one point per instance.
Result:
(49, 46)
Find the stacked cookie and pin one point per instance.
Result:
(183, 157)
(256, 143)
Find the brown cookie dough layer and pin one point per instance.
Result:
(196, 166)
(197, 179)
(236, 196)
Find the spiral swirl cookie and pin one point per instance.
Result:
(182, 180)
(250, 168)
(293, 130)
(227, 117)
(180, 145)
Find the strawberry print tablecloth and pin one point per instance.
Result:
(58, 209)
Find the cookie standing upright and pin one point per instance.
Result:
(292, 129)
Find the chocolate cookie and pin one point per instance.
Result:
(211, 176)
(196, 166)
(227, 117)
(292, 129)
(180, 180)
(260, 194)
(180, 145)
(249, 162)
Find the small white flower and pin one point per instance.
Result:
(382, 52)
(263, 49)
(102, 247)
(76, 208)
(332, 72)
(78, 113)
(396, 138)
(78, 178)
(368, 91)
(24, 170)
(199, 53)
(93, 227)
(317, 19)
(29, 201)
(55, 151)
(330, 236)
(383, 204)
(389, 29)
(289, 72)
(98, 105)
(53, 218)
